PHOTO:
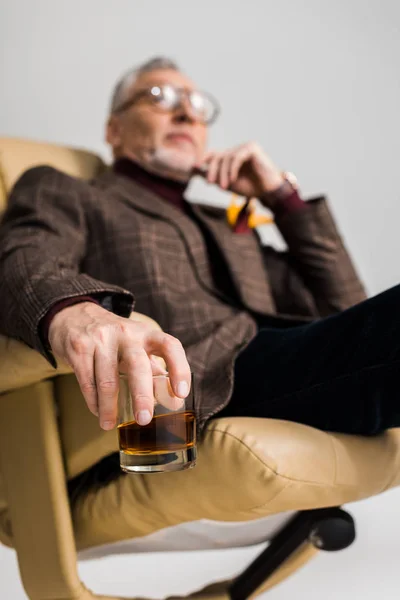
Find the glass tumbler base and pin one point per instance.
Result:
(163, 462)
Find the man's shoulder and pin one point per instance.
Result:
(45, 175)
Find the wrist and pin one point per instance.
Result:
(60, 311)
(86, 306)
(275, 181)
(275, 197)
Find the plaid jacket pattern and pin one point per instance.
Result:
(62, 237)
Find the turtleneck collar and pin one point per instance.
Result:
(169, 189)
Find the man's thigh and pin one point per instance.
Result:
(336, 374)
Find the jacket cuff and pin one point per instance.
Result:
(303, 225)
(289, 204)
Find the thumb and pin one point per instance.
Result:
(158, 365)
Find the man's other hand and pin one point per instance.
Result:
(98, 345)
(245, 170)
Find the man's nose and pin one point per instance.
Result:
(183, 117)
(184, 112)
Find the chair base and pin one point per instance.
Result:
(327, 529)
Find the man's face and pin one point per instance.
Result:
(167, 143)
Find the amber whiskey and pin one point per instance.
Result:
(165, 433)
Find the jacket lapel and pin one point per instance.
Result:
(244, 259)
(149, 203)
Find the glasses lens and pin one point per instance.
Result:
(168, 97)
(165, 96)
(204, 106)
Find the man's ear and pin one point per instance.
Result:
(113, 132)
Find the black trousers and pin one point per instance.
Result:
(341, 373)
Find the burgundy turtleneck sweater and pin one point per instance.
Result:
(173, 192)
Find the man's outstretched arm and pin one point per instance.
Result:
(42, 243)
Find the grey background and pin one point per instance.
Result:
(317, 84)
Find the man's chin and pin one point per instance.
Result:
(173, 163)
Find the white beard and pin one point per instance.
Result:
(167, 161)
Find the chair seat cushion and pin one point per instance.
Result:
(248, 468)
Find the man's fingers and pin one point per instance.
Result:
(136, 364)
(207, 157)
(171, 350)
(224, 174)
(213, 168)
(107, 384)
(164, 394)
(158, 365)
(83, 366)
(237, 161)
(113, 345)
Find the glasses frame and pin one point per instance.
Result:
(181, 91)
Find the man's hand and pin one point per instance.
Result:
(98, 344)
(245, 170)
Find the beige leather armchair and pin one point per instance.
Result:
(293, 478)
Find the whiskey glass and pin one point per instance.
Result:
(168, 442)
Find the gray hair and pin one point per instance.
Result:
(124, 85)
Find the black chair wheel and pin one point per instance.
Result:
(333, 531)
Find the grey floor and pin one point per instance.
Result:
(368, 569)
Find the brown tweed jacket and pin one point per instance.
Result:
(63, 237)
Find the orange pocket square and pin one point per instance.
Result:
(253, 219)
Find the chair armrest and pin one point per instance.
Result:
(34, 481)
(22, 366)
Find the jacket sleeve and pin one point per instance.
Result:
(316, 259)
(43, 239)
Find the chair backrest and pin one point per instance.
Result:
(51, 571)
(17, 156)
(83, 441)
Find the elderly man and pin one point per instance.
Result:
(273, 334)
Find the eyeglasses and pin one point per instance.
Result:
(168, 98)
